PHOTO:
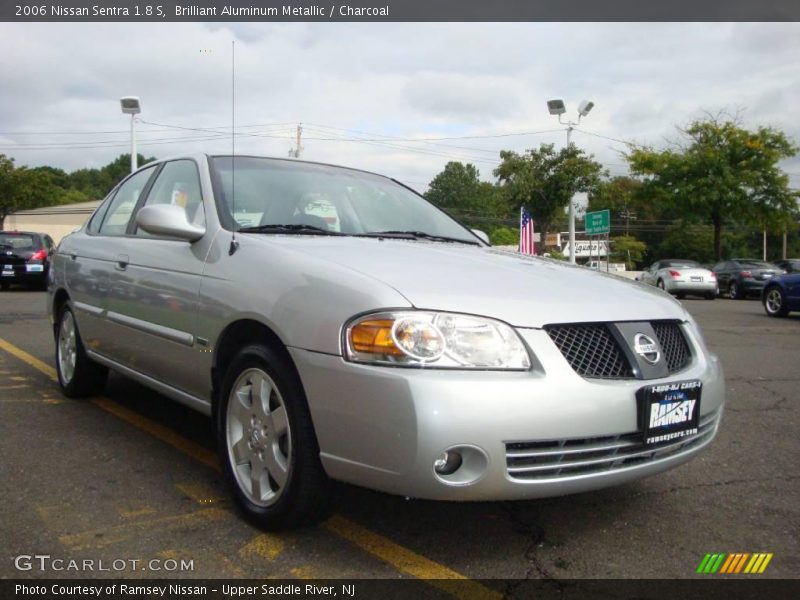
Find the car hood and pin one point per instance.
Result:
(522, 291)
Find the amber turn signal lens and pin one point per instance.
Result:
(374, 337)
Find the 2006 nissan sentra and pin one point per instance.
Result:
(337, 326)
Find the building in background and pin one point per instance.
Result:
(56, 221)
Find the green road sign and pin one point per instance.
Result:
(598, 223)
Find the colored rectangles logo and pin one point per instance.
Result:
(734, 563)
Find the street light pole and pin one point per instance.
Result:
(133, 145)
(556, 107)
(571, 208)
(130, 105)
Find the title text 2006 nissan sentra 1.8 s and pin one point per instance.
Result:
(349, 330)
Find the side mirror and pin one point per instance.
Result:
(482, 235)
(168, 220)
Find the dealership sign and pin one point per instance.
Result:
(586, 248)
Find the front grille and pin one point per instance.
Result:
(676, 350)
(553, 459)
(591, 350)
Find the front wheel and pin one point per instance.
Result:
(78, 375)
(775, 302)
(268, 445)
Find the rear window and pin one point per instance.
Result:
(756, 264)
(687, 264)
(19, 241)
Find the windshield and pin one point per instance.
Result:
(18, 241)
(333, 199)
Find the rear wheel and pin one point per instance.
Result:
(78, 375)
(268, 445)
(734, 291)
(775, 302)
(660, 284)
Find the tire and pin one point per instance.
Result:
(660, 285)
(274, 436)
(774, 301)
(4, 285)
(78, 375)
(734, 293)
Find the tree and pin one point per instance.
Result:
(22, 188)
(545, 180)
(719, 172)
(627, 249)
(458, 189)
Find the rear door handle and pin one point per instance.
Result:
(122, 262)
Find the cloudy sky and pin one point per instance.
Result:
(362, 91)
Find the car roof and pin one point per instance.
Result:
(202, 156)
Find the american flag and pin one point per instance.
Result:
(526, 232)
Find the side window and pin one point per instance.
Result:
(178, 184)
(97, 218)
(115, 221)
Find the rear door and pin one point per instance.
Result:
(723, 271)
(92, 265)
(155, 297)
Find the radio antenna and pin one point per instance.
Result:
(234, 242)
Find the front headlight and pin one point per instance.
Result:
(433, 339)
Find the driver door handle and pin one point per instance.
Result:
(122, 262)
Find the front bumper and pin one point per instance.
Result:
(383, 428)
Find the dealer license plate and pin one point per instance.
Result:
(697, 278)
(668, 411)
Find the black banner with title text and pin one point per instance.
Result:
(399, 10)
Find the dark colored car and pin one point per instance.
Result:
(742, 277)
(790, 265)
(781, 295)
(24, 258)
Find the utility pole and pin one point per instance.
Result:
(295, 152)
(783, 256)
(628, 216)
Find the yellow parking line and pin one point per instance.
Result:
(119, 533)
(397, 556)
(27, 358)
(165, 434)
(407, 561)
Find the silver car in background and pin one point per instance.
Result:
(337, 326)
(682, 278)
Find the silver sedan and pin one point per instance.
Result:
(682, 278)
(338, 327)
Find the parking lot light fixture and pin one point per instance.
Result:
(556, 107)
(130, 105)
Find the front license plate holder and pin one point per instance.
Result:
(669, 411)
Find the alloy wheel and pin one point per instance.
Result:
(774, 301)
(67, 347)
(259, 437)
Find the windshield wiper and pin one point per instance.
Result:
(294, 228)
(414, 235)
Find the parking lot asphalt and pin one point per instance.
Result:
(132, 475)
